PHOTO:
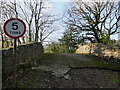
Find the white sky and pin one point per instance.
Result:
(59, 7)
(82, 0)
(70, 0)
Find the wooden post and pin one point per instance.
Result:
(14, 63)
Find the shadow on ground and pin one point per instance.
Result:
(68, 71)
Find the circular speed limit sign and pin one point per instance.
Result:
(14, 28)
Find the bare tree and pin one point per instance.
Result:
(100, 17)
(1, 33)
(39, 23)
(46, 27)
(6, 13)
(27, 15)
(9, 10)
(13, 7)
(37, 20)
(2, 39)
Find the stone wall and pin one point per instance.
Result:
(99, 50)
(25, 54)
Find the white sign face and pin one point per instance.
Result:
(14, 28)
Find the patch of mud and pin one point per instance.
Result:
(85, 78)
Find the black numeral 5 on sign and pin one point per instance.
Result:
(14, 25)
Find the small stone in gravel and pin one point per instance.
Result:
(67, 76)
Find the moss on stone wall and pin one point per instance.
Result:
(25, 55)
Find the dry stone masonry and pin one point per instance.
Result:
(25, 54)
(100, 50)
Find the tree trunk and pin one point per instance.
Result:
(96, 36)
(29, 34)
(2, 42)
(19, 42)
(36, 36)
(23, 39)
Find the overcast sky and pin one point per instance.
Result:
(59, 7)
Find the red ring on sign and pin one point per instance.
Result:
(11, 20)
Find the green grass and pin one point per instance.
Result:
(115, 79)
(53, 58)
(97, 61)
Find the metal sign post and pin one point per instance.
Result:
(14, 28)
(14, 64)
